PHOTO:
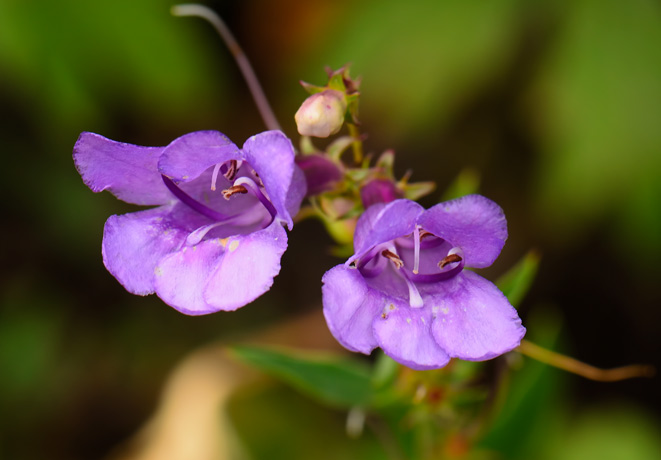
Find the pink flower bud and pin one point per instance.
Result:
(321, 174)
(379, 191)
(322, 114)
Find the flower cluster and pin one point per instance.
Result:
(215, 238)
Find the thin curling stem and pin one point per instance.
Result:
(193, 9)
(584, 370)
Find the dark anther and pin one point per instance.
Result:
(231, 170)
(394, 258)
(233, 190)
(449, 259)
(259, 179)
(424, 234)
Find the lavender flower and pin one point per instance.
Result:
(405, 289)
(216, 238)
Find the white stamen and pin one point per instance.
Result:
(415, 299)
(197, 235)
(416, 250)
(214, 176)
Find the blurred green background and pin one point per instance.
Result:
(556, 105)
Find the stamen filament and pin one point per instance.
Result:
(254, 188)
(232, 168)
(415, 299)
(197, 235)
(192, 202)
(394, 258)
(416, 250)
(214, 176)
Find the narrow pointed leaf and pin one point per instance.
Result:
(333, 380)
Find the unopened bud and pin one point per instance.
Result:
(321, 174)
(379, 191)
(322, 114)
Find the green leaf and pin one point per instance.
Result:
(333, 380)
(517, 281)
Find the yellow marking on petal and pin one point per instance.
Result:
(408, 320)
(233, 245)
(445, 310)
(158, 271)
(223, 242)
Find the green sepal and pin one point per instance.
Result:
(416, 190)
(312, 89)
(336, 82)
(386, 163)
(358, 175)
(338, 147)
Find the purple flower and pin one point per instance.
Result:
(405, 289)
(216, 238)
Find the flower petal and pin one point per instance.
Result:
(271, 154)
(350, 308)
(250, 263)
(134, 243)
(405, 334)
(188, 156)
(474, 223)
(129, 172)
(393, 220)
(474, 320)
(182, 276)
(297, 191)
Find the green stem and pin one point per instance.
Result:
(584, 370)
(357, 144)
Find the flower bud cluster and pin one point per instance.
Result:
(323, 113)
(340, 190)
